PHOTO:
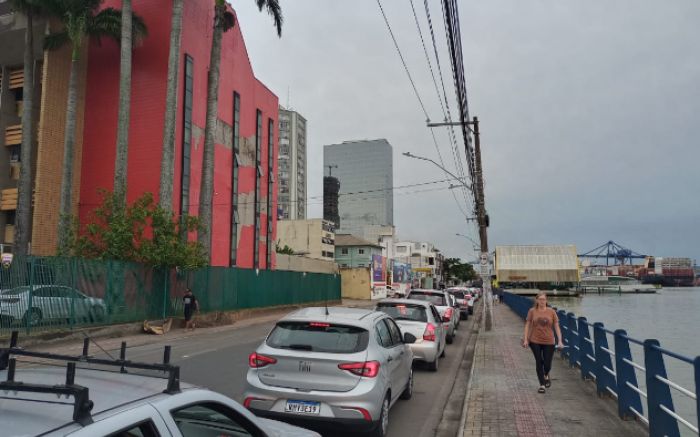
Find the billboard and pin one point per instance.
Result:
(378, 268)
(401, 273)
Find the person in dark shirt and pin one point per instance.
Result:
(191, 305)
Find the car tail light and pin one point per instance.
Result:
(319, 325)
(369, 369)
(365, 413)
(429, 334)
(256, 361)
(448, 314)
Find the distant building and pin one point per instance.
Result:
(425, 259)
(383, 236)
(314, 238)
(292, 166)
(365, 172)
(352, 252)
(331, 187)
(537, 266)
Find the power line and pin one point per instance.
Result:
(455, 157)
(396, 45)
(420, 100)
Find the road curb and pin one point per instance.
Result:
(465, 406)
(453, 415)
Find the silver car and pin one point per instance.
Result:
(338, 367)
(41, 303)
(423, 320)
(444, 303)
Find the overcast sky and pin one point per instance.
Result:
(589, 112)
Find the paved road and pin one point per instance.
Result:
(219, 360)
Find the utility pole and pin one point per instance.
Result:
(482, 218)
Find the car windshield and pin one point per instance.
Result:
(318, 337)
(401, 311)
(435, 299)
(14, 291)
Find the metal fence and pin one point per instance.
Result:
(47, 293)
(615, 372)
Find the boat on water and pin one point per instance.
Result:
(615, 284)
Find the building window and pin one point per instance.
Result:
(344, 251)
(234, 176)
(258, 149)
(186, 137)
(270, 183)
(361, 251)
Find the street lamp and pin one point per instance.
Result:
(460, 180)
(476, 245)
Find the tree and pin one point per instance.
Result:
(453, 268)
(129, 36)
(30, 9)
(167, 163)
(286, 250)
(80, 19)
(223, 21)
(141, 232)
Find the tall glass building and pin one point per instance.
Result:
(365, 172)
(292, 166)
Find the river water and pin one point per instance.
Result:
(672, 316)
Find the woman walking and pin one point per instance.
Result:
(540, 325)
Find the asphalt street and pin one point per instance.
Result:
(218, 360)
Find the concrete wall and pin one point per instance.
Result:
(304, 264)
(305, 237)
(356, 283)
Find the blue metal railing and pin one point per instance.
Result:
(615, 371)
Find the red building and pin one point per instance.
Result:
(245, 195)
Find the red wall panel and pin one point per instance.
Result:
(149, 76)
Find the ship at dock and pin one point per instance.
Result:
(667, 272)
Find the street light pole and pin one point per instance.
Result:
(457, 178)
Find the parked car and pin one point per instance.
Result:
(443, 302)
(331, 367)
(102, 403)
(39, 303)
(462, 298)
(423, 320)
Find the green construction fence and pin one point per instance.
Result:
(51, 293)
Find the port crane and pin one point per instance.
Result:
(613, 251)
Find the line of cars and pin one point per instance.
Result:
(346, 367)
(343, 367)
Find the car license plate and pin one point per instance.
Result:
(303, 407)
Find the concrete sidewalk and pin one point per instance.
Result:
(503, 401)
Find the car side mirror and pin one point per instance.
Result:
(409, 338)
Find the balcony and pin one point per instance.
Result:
(13, 135)
(8, 199)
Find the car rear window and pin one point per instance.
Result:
(435, 299)
(457, 294)
(318, 337)
(402, 311)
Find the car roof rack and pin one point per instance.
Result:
(82, 403)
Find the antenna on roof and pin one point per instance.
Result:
(326, 302)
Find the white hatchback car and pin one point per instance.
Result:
(101, 403)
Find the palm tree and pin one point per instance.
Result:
(167, 163)
(80, 19)
(130, 35)
(30, 8)
(223, 21)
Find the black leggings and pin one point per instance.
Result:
(543, 359)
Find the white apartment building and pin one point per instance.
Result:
(313, 238)
(425, 260)
(291, 199)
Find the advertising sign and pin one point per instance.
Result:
(378, 268)
(401, 273)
